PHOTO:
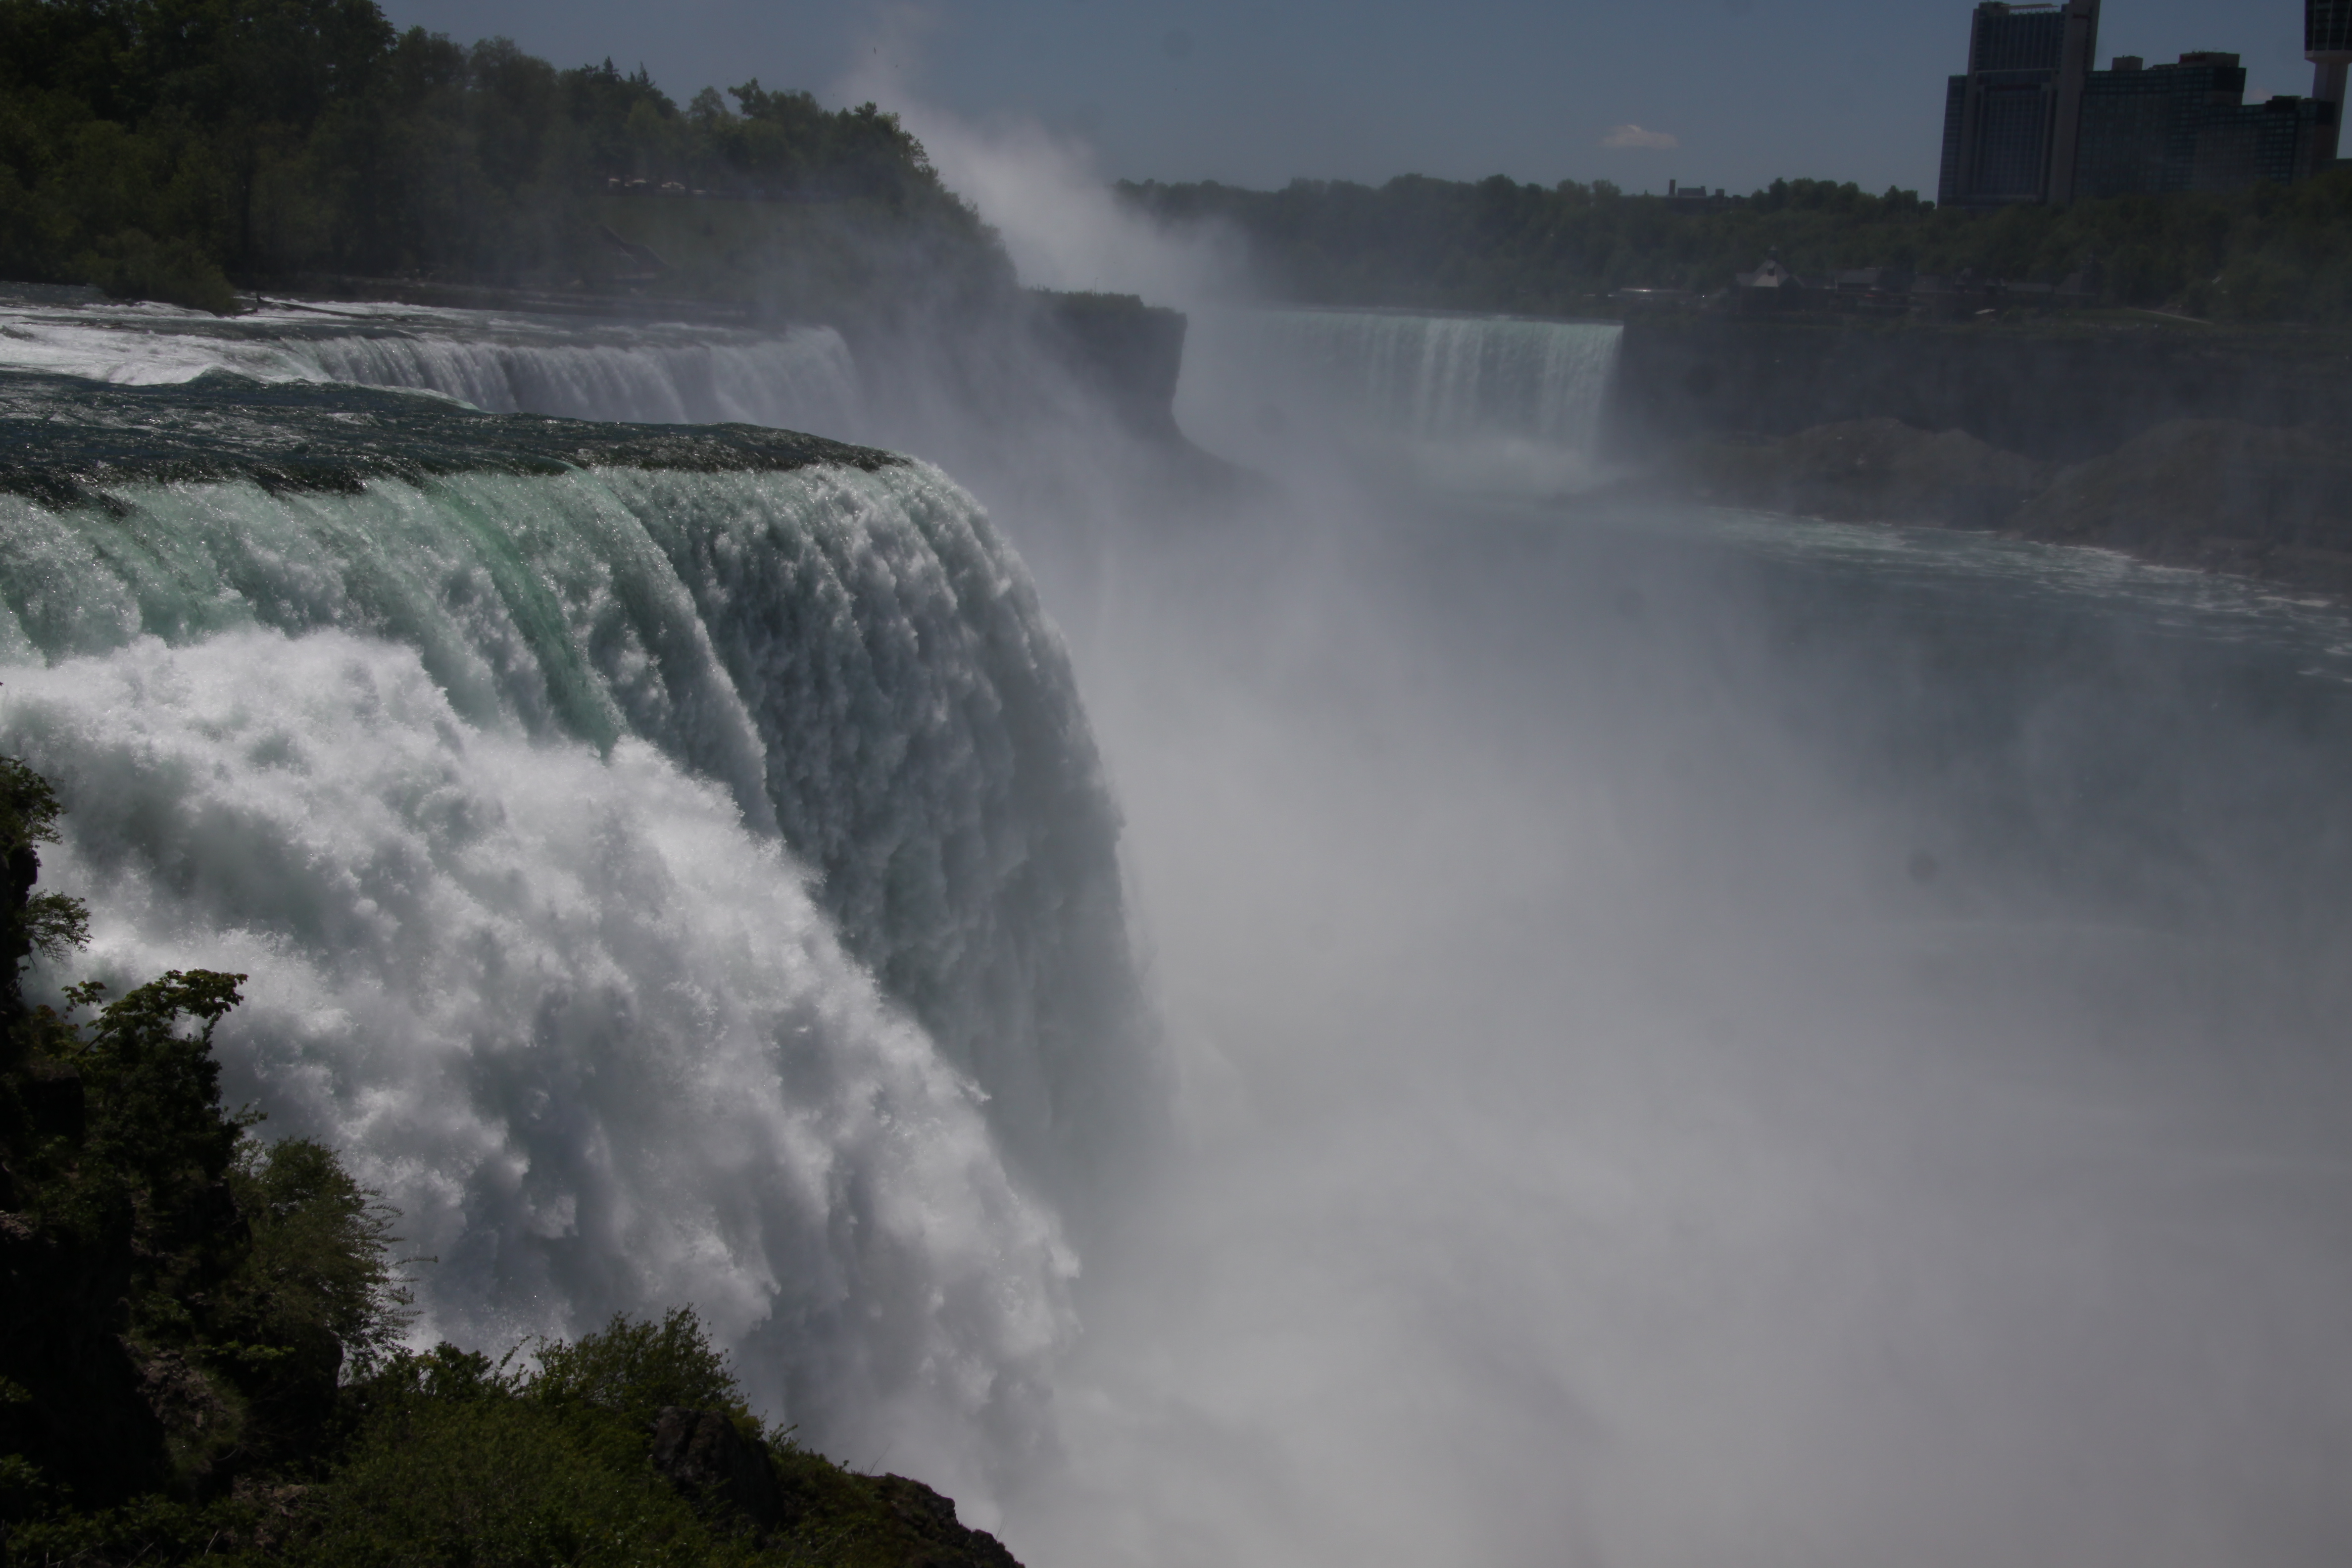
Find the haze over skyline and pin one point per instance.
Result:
(1729, 93)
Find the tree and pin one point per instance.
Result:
(182, 1300)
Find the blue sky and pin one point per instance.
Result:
(1257, 91)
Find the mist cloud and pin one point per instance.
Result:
(1047, 194)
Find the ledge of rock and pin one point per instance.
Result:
(2219, 494)
(1877, 471)
(702, 1453)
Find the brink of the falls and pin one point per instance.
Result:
(674, 866)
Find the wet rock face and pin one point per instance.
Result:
(898, 1521)
(939, 1541)
(73, 1401)
(1875, 470)
(2061, 391)
(701, 1454)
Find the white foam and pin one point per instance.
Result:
(592, 1035)
(1461, 403)
(799, 378)
(673, 887)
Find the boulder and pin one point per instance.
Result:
(939, 1541)
(703, 1454)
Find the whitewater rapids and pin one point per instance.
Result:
(792, 377)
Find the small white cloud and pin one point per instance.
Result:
(1635, 136)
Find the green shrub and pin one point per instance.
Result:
(186, 1300)
(634, 1368)
(501, 1482)
(319, 1258)
(133, 265)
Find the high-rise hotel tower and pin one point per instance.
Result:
(2010, 123)
(2328, 45)
(2031, 121)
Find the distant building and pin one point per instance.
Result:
(2010, 123)
(2148, 129)
(1696, 198)
(1771, 287)
(2328, 45)
(2031, 123)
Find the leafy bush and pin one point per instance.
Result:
(132, 265)
(633, 1369)
(317, 1260)
(501, 1482)
(185, 1299)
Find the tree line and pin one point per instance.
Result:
(172, 148)
(2270, 253)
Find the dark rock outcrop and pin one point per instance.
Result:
(74, 1405)
(2060, 391)
(702, 1454)
(1867, 471)
(707, 1457)
(1125, 353)
(939, 1541)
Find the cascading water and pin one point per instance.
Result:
(1693, 1037)
(1471, 402)
(674, 864)
(798, 378)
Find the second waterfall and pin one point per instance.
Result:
(1477, 403)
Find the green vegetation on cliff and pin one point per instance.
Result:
(2273, 253)
(201, 1342)
(162, 148)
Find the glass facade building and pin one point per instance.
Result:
(2186, 126)
(2328, 45)
(2010, 120)
(2030, 121)
(2326, 28)
(2275, 143)
(2142, 126)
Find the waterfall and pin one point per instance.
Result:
(797, 378)
(679, 870)
(1468, 400)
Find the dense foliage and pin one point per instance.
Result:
(448, 1457)
(201, 1355)
(182, 1301)
(162, 148)
(2270, 253)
